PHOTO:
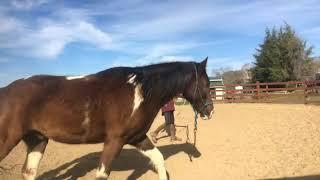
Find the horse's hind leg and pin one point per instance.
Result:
(9, 138)
(148, 149)
(36, 144)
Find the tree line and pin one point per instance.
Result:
(282, 56)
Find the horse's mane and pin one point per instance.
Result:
(164, 79)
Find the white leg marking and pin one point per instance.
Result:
(74, 77)
(32, 164)
(138, 98)
(157, 159)
(132, 78)
(101, 172)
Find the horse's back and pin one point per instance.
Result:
(66, 109)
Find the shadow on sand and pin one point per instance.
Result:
(309, 177)
(129, 159)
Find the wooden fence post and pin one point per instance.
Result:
(258, 90)
(305, 93)
(267, 92)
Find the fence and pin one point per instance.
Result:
(294, 91)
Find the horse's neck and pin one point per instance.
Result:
(164, 90)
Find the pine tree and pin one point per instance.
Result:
(283, 56)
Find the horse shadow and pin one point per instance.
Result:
(307, 177)
(129, 159)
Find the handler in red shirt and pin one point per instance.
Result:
(167, 112)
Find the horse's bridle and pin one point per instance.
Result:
(204, 103)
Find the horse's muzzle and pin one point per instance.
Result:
(207, 117)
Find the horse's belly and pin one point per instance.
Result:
(73, 133)
(74, 138)
(77, 139)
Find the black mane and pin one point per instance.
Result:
(164, 80)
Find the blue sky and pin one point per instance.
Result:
(83, 37)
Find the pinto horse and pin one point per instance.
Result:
(116, 107)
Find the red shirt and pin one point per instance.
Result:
(168, 107)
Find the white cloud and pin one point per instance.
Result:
(178, 18)
(27, 4)
(87, 32)
(213, 62)
(129, 61)
(170, 48)
(140, 27)
(176, 58)
(46, 37)
(226, 62)
(162, 51)
(144, 32)
(49, 40)
(8, 24)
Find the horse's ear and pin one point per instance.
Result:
(204, 63)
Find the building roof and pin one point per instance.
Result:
(216, 82)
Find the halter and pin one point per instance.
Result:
(204, 105)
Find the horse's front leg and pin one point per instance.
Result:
(111, 149)
(148, 149)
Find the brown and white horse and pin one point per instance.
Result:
(116, 106)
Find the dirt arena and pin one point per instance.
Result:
(243, 141)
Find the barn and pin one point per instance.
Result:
(217, 87)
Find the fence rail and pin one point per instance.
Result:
(266, 91)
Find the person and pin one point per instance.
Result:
(167, 112)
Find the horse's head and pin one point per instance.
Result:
(197, 91)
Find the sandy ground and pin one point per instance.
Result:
(243, 141)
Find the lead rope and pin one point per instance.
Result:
(194, 133)
(195, 129)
